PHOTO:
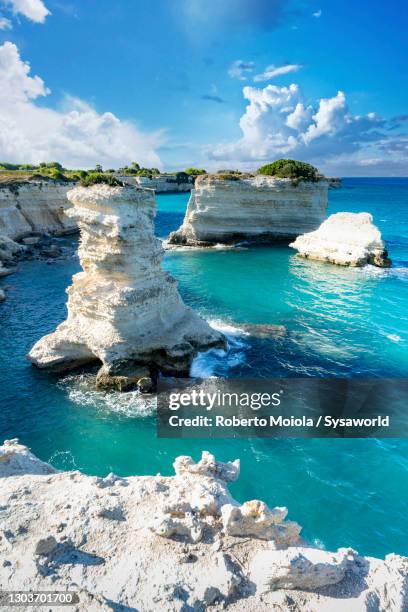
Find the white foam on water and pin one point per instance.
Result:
(394, 337)
(64, 460)
(205, 364)
(81, 390)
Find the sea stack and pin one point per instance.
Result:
(346, 239)
(124, 310)
(229, 208)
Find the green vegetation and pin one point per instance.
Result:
(195, 171)
(96, 178)
(292, 169)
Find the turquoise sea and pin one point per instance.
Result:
(340, 322)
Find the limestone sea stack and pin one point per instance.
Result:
(346, 239)
(178, 543)
(124, 310)
(230, 208)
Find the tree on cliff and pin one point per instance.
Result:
(290, 168)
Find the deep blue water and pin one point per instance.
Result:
(340, 322)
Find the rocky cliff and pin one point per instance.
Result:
(124, 310)
(346, 239)
(31, 208)
(257, 208)
(177, 543)
(28, 207)
(166, 183)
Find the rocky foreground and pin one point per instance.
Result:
(345, 239)
(229, 209)
(124, 310)
(175, 543)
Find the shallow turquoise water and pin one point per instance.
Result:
(340, 323)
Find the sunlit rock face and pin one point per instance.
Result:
(124, 310)
(346, 239)
(28, 207)
(255, 208)
(174, 543)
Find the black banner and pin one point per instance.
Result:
(283, 408)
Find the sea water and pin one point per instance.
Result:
(340, 322)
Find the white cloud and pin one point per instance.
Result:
(5, 24)
(76, 135)
(271, 72)
(240, 69)
(32, 9)
(277, 123)
(317, 14)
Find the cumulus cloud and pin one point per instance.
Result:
(317, 14)
(240, 69)
(5, 24)
(277, 123)
(35, 10)
(76, 135)
(271, 72)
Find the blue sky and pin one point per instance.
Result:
(220, 83)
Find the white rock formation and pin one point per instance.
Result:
(165, 183)
(34, 206)
(346, 239)
(98, 537)
(256, 208)
(124, 310)
(299, 567)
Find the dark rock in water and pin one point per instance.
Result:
(126, 376)
(265, 330)
(146, 385)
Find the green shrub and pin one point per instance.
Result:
(95, 178)
(195, 171)
(55, 165)
(57, 175)
(237, 172)
(292, 169)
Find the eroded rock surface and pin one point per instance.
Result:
(346, 239)
(100, 537)
(34, 206)
(124, 310)
(255, 208)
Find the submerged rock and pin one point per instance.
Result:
(160, 543)
(346, 239)
(255, 208)
(124, 310)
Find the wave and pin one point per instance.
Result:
(219, 361)
(81, 390)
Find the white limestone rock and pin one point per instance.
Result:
(255, 208)
(165, 183)
(124, 310)
(300, 568)
(95, 536)
(255, 519)
(346, 239)
(35, 206)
